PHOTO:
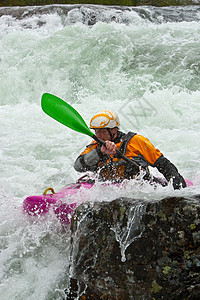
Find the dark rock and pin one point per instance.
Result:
(131, 249)
(89, 14)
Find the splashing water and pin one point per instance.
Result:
(133, 230)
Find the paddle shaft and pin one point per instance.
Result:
(120, 154)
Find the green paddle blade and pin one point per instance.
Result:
(64, 113)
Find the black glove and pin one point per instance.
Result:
(165, 167)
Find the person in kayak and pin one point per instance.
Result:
(105, 161)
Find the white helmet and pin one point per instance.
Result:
(105, 119)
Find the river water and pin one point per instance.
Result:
(140, 62)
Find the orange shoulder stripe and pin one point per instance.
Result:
(90, 147)
(141, 145)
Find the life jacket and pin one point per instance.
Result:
(115, 168)
(135, 147)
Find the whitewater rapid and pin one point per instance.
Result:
(140, 62)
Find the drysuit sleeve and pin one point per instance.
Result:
(165, 167)
(88, 161)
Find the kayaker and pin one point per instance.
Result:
(109, 166)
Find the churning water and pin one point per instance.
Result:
(140, 62)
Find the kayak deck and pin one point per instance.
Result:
(40, 205)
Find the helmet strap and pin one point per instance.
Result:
(111, 135)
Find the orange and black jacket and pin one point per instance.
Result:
(137, 148)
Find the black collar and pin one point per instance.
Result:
(119, 137)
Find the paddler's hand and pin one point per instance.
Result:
(110, 148)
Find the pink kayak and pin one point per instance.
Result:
(40, 205)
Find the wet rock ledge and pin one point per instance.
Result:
(131, 249)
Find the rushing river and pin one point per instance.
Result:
(140, 62)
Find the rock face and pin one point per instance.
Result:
(130, 249)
